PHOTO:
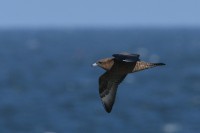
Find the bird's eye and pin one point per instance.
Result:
(100, 62)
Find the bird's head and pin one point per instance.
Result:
(106, 63)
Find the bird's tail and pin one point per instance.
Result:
(141, 65)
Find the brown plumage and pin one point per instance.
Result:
(117, 67)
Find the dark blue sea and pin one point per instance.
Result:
(47, 84)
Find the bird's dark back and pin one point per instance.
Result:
(121, 67)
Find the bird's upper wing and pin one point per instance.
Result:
(108, 84)
(126, 57)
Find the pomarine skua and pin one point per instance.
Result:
(117, 67)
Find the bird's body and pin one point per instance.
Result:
(117, 67)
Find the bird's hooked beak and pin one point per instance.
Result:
(95, 64)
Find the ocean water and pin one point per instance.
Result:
(47, 84)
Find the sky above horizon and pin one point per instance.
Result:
(96, 13)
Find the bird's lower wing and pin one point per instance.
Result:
(108, 84)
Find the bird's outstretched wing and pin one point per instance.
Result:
(108, 83)
(126, 57)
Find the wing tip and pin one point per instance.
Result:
(126, 53)
(107, 108)
(127, 57)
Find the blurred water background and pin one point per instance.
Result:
(47, 84)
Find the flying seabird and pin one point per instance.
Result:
(117, 67)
